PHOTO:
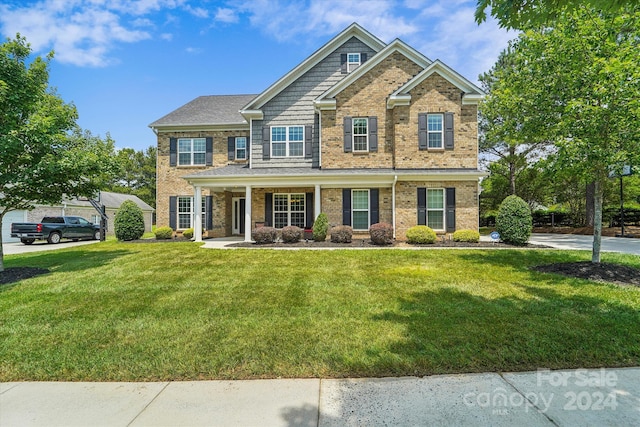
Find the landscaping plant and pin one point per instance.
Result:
(514, 221)
(341, 234)
(129, 221)
(321, 227)
(470, 236)
(292, 234)
(421, 234)
(264, 235)
(381, 233)
(163, 233)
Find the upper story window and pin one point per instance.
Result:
(192, 151)
(353, 61)
(241, 148)
(434, 130)
(287, 141)
(360, 134)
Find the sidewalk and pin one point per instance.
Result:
(597, 397)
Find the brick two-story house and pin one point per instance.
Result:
(364, 131)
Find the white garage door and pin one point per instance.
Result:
(13, 216)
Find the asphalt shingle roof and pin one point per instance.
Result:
(208, 110)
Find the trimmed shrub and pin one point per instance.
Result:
(264, 235)
(164, 233)
(321, 227)
(292, 234)
(381, 233)
(188, 233)
(421, 234)
(341, 234)
(514, 221)
(129, 221)
(471, 236)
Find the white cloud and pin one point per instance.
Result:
(193, 50)
(166, 36)
(197, 11)
(226, 15)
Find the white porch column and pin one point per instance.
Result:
(197, 220)
(393, 205)
(247, 214)
(317, 202)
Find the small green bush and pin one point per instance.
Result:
(471, 236)
(321, 227)
(164, 233)
(341, 234)
(188, 233)
(381, 233)
(264, 235)
(514, 221)
(129, 221)
(421, 234)
(292, 234)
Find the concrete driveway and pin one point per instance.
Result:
(19, 248)
(575, 241)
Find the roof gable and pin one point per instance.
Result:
(354, 30)
(472, 93)
(326, 99)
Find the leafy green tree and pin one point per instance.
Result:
(43, 154)
(578, 85)
(523, 14)
(136, 174)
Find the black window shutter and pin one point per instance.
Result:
(363, 57)
(268, 209)
(309, 210)
(208, 209)
(266, 142)
(231, 148)
(373, 133)
(448, 131)
(374, 205)
(348, 136)
(343, 63)
(308, 138)
(422, 206)
(209, 154)
(173, 212)
(346, 206)
(422, 131)
(451, 209)
(173, 152)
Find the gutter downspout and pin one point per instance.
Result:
(393, 204)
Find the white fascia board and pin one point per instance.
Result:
(324, 104)
(472, 98)
(252, 114)
(354, 30)
(395, 46)
(200, 127)
(444, 71)
(398, 100)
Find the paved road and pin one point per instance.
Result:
(19, 248)
(575, 241)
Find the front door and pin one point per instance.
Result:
(238, 211)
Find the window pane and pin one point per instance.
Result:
(353, 57)
(360, 220)
(360, 143)
(297, 219)
(198, 158)
(295, 149)
(297, 203)
(241, 142)
(241, 154)
(199, 145)
(184, 159)
(435, 220)
(360, 126)
(296, 133)
(279, 149)
(184, 145)
(280, 219)
(360, 199)
(278, 134)
(435, 140)
(434, 122)
(435, 199)
(280, 202)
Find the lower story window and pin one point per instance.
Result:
(186, 212)
(360, 209)
(435, 208)
(288, 209)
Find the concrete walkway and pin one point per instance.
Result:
(597, 397)
(576, 241)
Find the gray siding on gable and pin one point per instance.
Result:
(294, 105)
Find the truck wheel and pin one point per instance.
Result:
(54, 238)
(96, 235)
(27, 241)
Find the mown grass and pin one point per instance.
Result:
(173, 311)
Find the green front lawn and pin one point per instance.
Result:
(173, 311)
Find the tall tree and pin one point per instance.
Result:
(43, 154)
(136, 174)
(578, 85)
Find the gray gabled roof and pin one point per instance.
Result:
(111, 201)
(208, 110)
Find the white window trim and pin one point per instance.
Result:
(236, 148)
(443, 209)
(355, 65)
(287, 142)
(440, 132)
(289, 211)
(368, 210)
(191, 152)
(191, 213)
(353, 133)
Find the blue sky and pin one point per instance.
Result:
(125, 63)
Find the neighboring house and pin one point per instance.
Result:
(75, 207)
(364, 131)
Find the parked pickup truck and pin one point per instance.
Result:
(54, 228)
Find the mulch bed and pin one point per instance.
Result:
(602, 272)
(15, 274)
(366, 243)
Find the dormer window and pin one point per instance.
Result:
(353, 61)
